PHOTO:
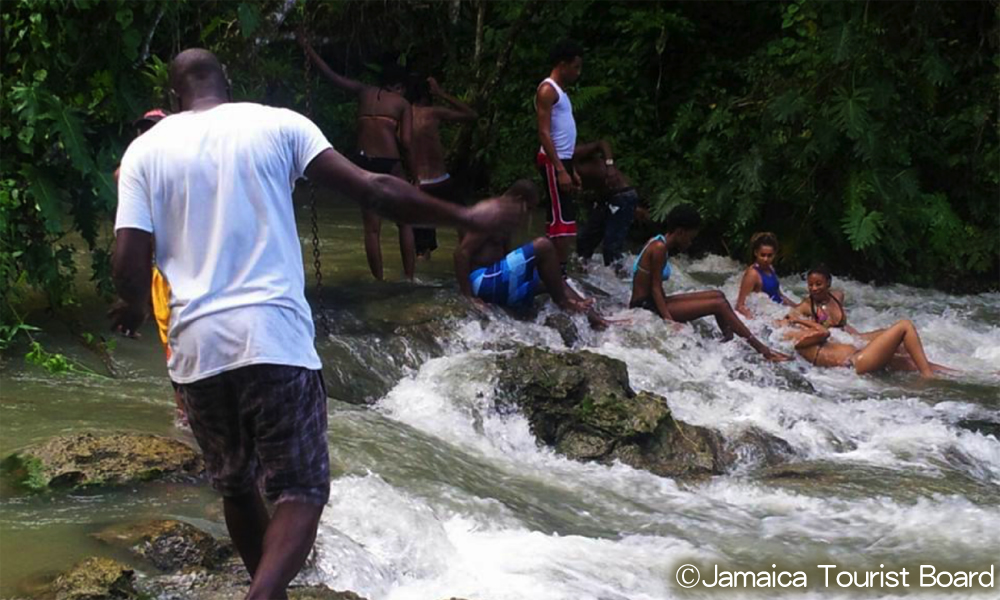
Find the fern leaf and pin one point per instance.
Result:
(787, 106)
(863, 228)
(71, 135)
(851, 111)
(47, 196)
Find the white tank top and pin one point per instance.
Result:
(563, 125)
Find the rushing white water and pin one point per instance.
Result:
(442, 496)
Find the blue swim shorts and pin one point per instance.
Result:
(508, 282)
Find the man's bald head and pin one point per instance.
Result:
(196, 73)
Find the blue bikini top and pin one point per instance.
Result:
(666, 264)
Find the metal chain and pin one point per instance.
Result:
(313, 214)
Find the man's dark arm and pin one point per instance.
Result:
(589, 149)
(460, 111)
(399, 201)
(131, 270)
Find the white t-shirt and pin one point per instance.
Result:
(215, 189)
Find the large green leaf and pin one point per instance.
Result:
(71, 134)
(850, 111)
(47, 196)
(862, 227)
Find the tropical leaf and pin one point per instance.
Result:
(788, 106)
(850, 111)
(71, 134)
(48, 198)
(936, 69)
(840, 41)
(863, 228)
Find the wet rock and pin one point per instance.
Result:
(981, 426)
(229, 582)
(95, 579)
(169, 545)
(581, 404)
(564, 325)
(84, 460)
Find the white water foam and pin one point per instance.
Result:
(559, 529)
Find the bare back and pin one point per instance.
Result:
(381, 116)
(428, 153)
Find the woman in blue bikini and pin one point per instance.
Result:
(760, 276)
(651, 269)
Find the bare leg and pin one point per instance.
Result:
(881, 351)
(408, 250)
(688, 307)
(287, 543)
(564, 247)
(247, 521)
(181, 413)
(547, 264)
(373, 246)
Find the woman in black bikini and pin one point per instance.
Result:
(385, 126)
(651, 269)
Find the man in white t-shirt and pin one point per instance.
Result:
(213, 187)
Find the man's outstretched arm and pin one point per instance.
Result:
(345, 83)
(399, 201)
(460, 111)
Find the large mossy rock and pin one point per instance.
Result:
(581, 404)
(95, 578)
(84, 460)
(169, 545)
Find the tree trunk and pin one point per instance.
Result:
(477, 59)
(461, 154)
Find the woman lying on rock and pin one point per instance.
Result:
(812, 342)
(824, 307)
(651, 269)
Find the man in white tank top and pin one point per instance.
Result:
(557, 134)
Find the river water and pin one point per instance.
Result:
(436, 495)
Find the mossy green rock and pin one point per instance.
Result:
(581, 404)
(168, 544)
(85, 460)
(95, 578)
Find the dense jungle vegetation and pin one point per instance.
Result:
(863, 133)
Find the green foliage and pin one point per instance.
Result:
(26, 471)
(864, 133)
(56, 363)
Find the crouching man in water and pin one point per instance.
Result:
(211, 188)
(489, 273)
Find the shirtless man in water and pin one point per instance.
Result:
(428, 162)
(488, 272)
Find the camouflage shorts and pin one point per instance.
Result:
(267, 422)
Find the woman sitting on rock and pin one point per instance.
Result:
(651, 269)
